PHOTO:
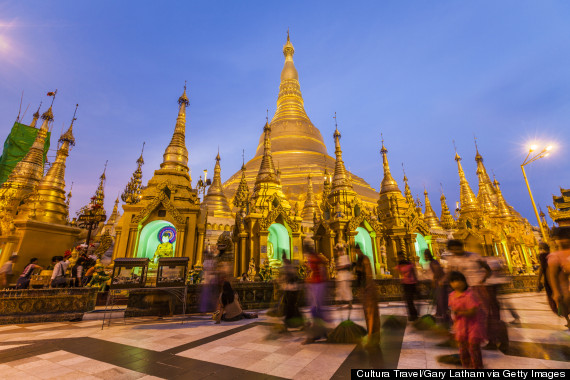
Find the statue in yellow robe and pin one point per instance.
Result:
(164, 249)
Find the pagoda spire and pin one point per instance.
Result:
(340, 180)
(290, 103)
(36, 116)
(430, 216)
(215, 200)
(115, 214)
(100, 192)
(310, 208)
(485, 184)
(266, 171)
(241, 198)
(503, 209)
(484, 197)
(175, 156)
(447, 220)
(467, 197)
(407, 192)
(388, 183)
(132, 192)
(49, 202)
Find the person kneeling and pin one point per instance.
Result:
(229, 309)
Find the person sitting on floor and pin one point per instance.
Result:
(229, 309)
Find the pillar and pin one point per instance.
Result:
(243, 259)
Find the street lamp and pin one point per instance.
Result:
(92, 215)
(203, 184)
(544, 153)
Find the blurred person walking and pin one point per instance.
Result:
(496, 329)
(7, 270)
(316, 290)
(559, 271)
(441, 289)
(473, 267)
(289, 284)
(543, 281)
(468, 320)
(409, 280)
(210, 289)
(369, 298)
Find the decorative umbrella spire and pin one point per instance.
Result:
(56, 173)
(388, 183)
(132, 192)
(340, 180)
(447, 220)
(115, 214)
(241, 198)
(407, 192)
(215, 201)
(467, 197)
(36, 116)
(100, 192)
(430, 216)
(503, 209)
(266, 171)
(176, 155)
(310, 208)
(485, 184)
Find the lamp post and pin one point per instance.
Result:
(203, 184)
(544, 153)
(93, 214)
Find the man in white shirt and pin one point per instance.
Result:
(58, 279)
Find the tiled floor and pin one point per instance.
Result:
(148, 348)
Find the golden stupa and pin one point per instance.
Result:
(297, 145)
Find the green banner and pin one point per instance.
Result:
(16, 146)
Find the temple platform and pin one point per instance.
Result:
(149, 348)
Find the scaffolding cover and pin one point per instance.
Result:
(16, 146)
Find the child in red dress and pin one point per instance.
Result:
(468, 321)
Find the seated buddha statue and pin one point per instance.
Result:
(272, 255)
(164, 249)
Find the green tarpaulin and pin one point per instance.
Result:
(16, 146)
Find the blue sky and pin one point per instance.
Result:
(423, 73)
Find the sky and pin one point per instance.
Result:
(422, 73)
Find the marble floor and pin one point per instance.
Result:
(148, 348)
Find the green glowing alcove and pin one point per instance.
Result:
(420, 245)
(279, 240)
(148, 240)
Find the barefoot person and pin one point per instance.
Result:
(559, 271)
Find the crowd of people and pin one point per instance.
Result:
(65, 271)
(464, 290)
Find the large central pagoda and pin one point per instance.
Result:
(297, 145)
